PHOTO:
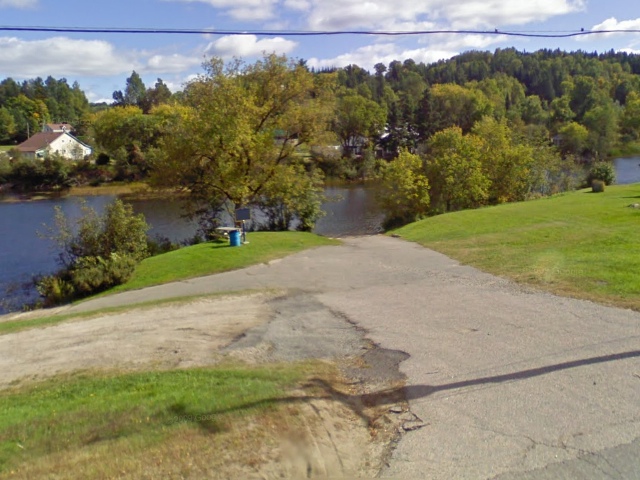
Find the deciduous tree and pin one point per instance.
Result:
(455, 173)
(404, 190)
(241, 129)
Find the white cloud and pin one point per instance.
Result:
(302, 5)
(497, 13)
(248, 46)
(18, 3)
(383, 14)
(458, 42)
(365, 57)
(69, 58)
(613, 24)
(61, 56)
(175, 63)
(440, 47)
(241, 9)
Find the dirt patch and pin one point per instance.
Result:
(341, 425)
(182, 335)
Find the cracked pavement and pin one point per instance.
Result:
(510, 382)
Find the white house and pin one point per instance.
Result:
(62, 143)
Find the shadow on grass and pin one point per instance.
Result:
(391, 396)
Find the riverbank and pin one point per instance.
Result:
(130, 191)
(579, 244)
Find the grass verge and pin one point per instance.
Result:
(141, 424)
(209, 258)
(581, 244)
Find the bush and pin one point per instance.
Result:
(101, 251)
(118, 230)
(159, 245)
(96, 274)
(103, 159)
(602, 171)
(54, 290)
(52, 172)
(597, 186)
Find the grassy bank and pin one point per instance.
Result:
(580, 244)
(210, 258)
(189, 262)
(144, 424)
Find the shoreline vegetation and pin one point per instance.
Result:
(130, 190)
(126, 190)
(198, 260)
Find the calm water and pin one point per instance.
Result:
(350, 210)
(627, 170)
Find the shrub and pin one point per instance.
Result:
(101, 251)
(54, 290)
(103, 159)
(597, 186)
(52, 172)
(118, 230)
(160, 244)
(602, 171)
(96, 274)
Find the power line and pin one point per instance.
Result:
(309, 33)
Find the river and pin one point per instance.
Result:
(349, 210)
(627, 170)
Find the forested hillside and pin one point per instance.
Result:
(480, 128)
(591, 100)
(25, 106)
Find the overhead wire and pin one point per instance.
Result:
(303, 33)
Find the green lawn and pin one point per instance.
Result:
(579, 244)
(76, 423)
(210, 258)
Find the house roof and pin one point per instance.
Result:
(60, 127)
(39, 141)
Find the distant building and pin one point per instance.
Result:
(62, 143)
(58, 127)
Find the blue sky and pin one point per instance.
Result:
(101, 62)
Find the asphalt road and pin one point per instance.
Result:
(511, 383)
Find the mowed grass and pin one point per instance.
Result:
(77, 426)
(581, 244)
(209, 258)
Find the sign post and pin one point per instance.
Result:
(243, 214)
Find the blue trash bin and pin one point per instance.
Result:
(234, 238)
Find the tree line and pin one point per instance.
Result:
(26, 106)
(480, 128)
